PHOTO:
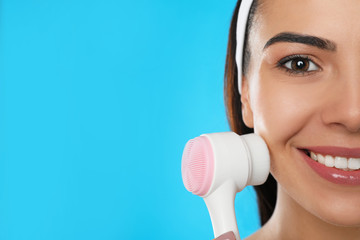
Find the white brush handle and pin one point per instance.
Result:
(221, 208)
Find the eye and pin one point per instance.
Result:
(297, 64)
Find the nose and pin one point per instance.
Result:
(343, 107)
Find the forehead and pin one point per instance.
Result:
(331, 19)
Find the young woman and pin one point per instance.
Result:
(300, 91)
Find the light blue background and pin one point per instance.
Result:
(97, 100)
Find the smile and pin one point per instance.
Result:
(335, 164)
(339, 162)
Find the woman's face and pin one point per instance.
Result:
(303, 92)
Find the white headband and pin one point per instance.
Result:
(240, 36)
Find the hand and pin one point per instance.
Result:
(226, 236)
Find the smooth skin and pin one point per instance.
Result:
(318, 105)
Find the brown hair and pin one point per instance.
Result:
(266, 193)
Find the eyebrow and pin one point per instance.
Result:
(304, 39)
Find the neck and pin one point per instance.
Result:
(291, 221)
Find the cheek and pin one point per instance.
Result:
(285, 115)
(281, 111)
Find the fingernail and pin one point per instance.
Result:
(226, 236)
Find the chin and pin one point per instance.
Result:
(344, 222)
(342, 215)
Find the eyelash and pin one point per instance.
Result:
(283, 61)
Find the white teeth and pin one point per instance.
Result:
(337, 161)
(354, 163)
(313, 156)
(321, 159)
(329, 161)
(341, 162)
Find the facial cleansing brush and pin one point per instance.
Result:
(216, 166)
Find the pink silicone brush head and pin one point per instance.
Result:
(197, 165)
(216, 166)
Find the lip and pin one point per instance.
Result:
(331, 174)
(335, 151)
